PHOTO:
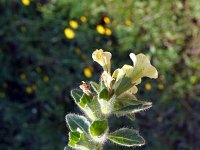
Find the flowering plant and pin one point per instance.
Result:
(113, 95)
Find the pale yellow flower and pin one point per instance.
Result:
(73, 24)
(132, 90)
(83, 19)
(26, 2)
(107, 79)
(69, 33)
(129, 76)
(106, 20)
(103, 58)
(108, 31)
(117, 75)
(100, 29)
(143, 67)
(123, 79)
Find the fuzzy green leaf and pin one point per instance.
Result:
(104, 94)
(76, 94)
(81, 141)
(95, 86)
(94, 108)
(131, 116)
(128, 104)
(98, 127)
(67, 148)
(74, 137)
(77, 122)
(122, 85)
(126, 137)
(84, 100)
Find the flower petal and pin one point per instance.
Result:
(133, 58)
(106, 77)
(133, 90)
(142, 64)
(128, 76)
(103, 58)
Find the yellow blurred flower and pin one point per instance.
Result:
(26, 2)
(83, 18)
(69, 33)
(87, 72)
(23, 76)
(23, 29)
(100, 29)
(128, 22)
(73, 24)
(84, 56)
(108, 31)
(46, 78)
(77, 50)
(38, 69)
(29, 90)
(34, 87)
(2, 94)
(5, 85)
(160, 86)
(106, 20)
(148, 86)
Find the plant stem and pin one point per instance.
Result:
(100, 147)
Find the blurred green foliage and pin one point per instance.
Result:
(40, 64)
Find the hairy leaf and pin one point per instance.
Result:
(131, 116)
(79, 140)
(95, 86)
(98, 127)
(77, 122)
(84, 100)
(74, 137)
(128, 104)
(104, 94)
(67, 148)
(76, 94)
(126, 137)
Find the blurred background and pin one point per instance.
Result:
(45, 51)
